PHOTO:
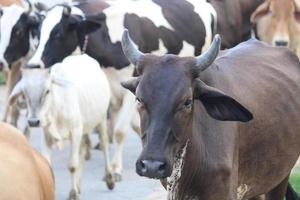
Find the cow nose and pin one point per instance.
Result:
(153, 169)
(281, 43)
(34, 122)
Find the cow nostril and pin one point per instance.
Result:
(143, 166)
(152, 168)
(281, 43)
(162, 167)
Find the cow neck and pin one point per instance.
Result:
(194, 166)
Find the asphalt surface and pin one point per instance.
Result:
(132, 186)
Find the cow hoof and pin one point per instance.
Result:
(117, 177)
(73, 195)
(110, 182)
(87, 155)
(98, 147)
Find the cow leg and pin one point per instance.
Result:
(13, 78)
(76, 141)
(5, 75)
(102, 129)
(278, 193)
(84, 148)
(111, 123)
(87, 145)
(47, 142)
(27, 132)
(125, 118)
(117, 165)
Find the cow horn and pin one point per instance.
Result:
(207, 58)
(29, 7)
(129, 49)
(67, 10)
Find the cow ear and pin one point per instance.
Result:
(91, 23)
(261, 11)
(219, 105)
(131, 84)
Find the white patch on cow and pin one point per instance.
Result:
(52, 18)
(10, 17)
(115, 15)
(242, 191)
(205, 11)
(176, 173)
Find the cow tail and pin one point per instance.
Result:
(291, 194)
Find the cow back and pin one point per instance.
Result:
(266, 81)
(24, 173)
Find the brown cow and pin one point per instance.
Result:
(24, 173)
(188, 120)
(233, 22)
(10, 2)
(278, 23)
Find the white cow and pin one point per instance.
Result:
(69, 101)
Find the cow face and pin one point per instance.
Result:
(62, 32)
(18, 31)
(36, 86)
(166, 91)
(278, 22)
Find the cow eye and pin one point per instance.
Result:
(140, 102)
(47, 92)
(188, 104)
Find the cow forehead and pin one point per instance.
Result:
(168, 78)
(35, 81)
(9, 19)
(51, 20)
(282, 7)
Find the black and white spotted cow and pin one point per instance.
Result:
(183, 27)
(19, 37)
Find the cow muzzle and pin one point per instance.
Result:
(281, 43)
(34, 122)
(153, 169)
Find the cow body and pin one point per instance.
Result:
(250, 153)
(186, 105)
(278, 23)
(73, 103)
(10, 2)
(34, 180)
(234, 23)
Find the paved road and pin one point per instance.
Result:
(132, 187)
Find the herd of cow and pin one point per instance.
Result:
(215, 125)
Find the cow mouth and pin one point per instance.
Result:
(177, 169)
